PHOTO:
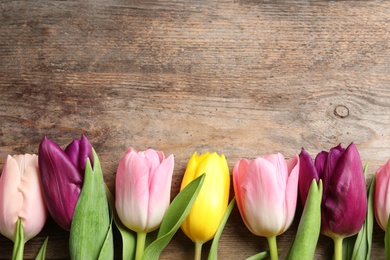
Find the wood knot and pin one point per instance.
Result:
(341, 111)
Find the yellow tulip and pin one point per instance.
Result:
(210, 206)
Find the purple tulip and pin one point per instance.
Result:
(344, 202)
(62, 175)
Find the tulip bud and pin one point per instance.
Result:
(143, 186)
(62, 176)
(266, 190)
(207, 212)
(344, 192)
(21, 197)
(344, 184)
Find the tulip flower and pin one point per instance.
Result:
(62, 176)
(266, 190)
(209, 207)
(344, 193)
(21, 198)
(143, 187)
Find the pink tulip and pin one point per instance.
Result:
(143, 187)
(21, 197)
(266, 193)
(382, 195)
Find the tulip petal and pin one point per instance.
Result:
(238, 174)
(73, 150)
(78, 152)
(281, 168)
(34, 212)
(152, 159)
(10, 207)
(191, 173)
(291, 192)
(159, 190)
(308, 172)
(61, 182)
(320, 163)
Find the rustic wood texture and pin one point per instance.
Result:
(244, 78)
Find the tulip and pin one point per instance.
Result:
(344, 193)
(62, 176)
(143, 187)
(21, 197)
(382, 195)
(210, 205)
(266, 191)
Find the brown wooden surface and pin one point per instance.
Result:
(244, 78)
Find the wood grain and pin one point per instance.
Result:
(244, 78)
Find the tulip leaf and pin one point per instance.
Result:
(128, 236)
(214, 246)
(259, 256)
(42, 252)
(308, 232)
(387, 239)
(107, 248)
(174, 217)
(362, 248)
(348, 246)
(91, 232)
(18, 250)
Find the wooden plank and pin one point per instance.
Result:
(243, 78)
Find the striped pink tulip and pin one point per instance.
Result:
(143, 188)
(266, 193)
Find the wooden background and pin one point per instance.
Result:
(244, 78)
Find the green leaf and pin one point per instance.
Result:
(174, 217)
(17, 253)
(42, 252)
(214, 246)
(308, 232)
(348, 247)
(259, 256)
(107, 248)
(128, 236)
(362, 248)
(387, 239)
(91, 232)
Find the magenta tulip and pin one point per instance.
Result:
(266, 191)
(143, 186)
(344, 200)
(344, 194)
(62, 176)
(382, 195)
(21, 197)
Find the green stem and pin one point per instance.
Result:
(198, 250)
(139, 252)
(273, 248)
(338, 248)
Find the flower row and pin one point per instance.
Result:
(68, 184)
